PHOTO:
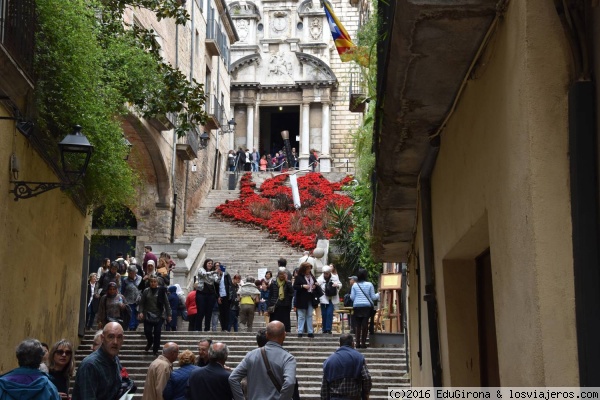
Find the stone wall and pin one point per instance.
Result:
(343, 121)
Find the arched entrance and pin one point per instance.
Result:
(112, 234)
(273, 120)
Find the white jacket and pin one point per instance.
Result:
(336, 283)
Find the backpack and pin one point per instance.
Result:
(251, 157)
(122, 267)
(348, 300)
(330, 291)
(231, 161)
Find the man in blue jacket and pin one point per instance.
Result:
(345, 373)
(27, 382)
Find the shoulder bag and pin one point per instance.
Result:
(296, 395)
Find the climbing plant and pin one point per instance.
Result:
(93, 69)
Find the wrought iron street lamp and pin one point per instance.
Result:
(75, 152)
(204, 140)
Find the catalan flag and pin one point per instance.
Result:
(346, 49)
(342, 40)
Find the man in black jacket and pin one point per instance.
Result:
(224, 291)
(211, 382)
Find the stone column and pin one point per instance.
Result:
(304, 136)
(250, 127)
(324, 158)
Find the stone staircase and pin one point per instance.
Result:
(241, 248)
(386, 365)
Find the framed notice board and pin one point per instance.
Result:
(390, 282)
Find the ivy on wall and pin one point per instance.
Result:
(91, 68)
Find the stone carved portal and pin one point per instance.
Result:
(279, 66)
(279, 23)
(316, 28)
(242, 29)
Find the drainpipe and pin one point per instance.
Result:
(187, 163)
(579, 20)
(174, 154)
(428, 260)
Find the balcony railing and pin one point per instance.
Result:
(214, 111)
(188, 145)
(358, 93)
(213, 30)
(17, 33)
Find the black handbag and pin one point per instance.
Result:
(152, 317)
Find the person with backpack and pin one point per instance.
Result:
(331, 285)
(154, 309)
(113, 308)
(122, 270)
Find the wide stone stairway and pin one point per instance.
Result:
(386, 365)
(243, 250)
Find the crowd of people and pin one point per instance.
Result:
(253, 161)
(267, 372)
(123, 294)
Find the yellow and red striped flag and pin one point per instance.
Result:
(344, 45)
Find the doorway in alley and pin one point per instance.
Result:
(112, 234)
(488, 348)
(273, 120)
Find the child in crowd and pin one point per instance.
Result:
(264, 299)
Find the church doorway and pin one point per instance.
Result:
(273, 120)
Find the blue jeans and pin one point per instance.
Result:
(233, 320)
(305, 318)
(133, 322)
(91, 315)
(327, 316)
(262, 307)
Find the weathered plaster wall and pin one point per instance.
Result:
(504, 153)
(42, 248)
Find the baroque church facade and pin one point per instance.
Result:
(286, 74)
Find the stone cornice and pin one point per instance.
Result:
(246, 60)
(246, 85)
(318, 64)
(249, 10)
(305, 9)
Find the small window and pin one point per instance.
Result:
(300, 26)
(260, 27)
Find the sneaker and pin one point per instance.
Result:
(147, 347)
(310, 335)
(299, 335)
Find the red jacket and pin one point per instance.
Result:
(190, 303)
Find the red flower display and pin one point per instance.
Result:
(273, 208)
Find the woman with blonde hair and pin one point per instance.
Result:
(177, 384)
(61, 366)
(93, 299)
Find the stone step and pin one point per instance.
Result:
(387, 366)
